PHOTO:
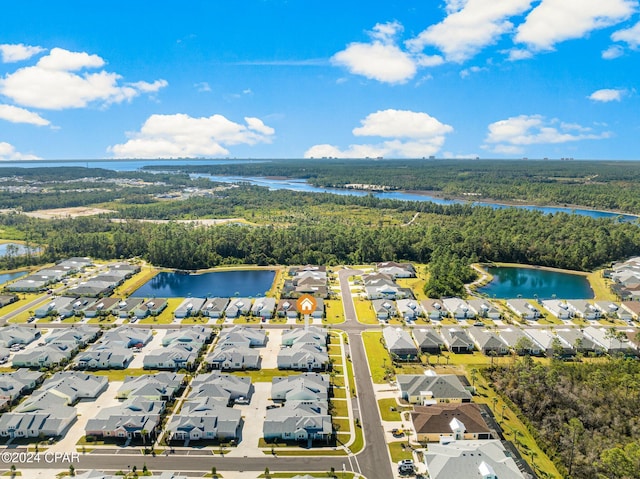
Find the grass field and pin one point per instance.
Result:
(265, 375)
(334, 311)
(120, 374)
(398, 453)
(364, 311)
(387, 414)
(377, 355)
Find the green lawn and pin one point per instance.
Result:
(398, 453)
(364, 311)
(265, 375)
(334, 311)
(120, 374)
(387, 414)
(342, 425)
(340, 408)
(377, 355)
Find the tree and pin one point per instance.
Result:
(473, 374)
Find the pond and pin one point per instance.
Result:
(4, 277)
(16, 249)
(511, 282)
(226, 284)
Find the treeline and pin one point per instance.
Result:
(595, 184)
(475, 234)
(585, 414)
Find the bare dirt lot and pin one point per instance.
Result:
(73, 212)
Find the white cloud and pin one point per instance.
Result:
(18, 52)
(516, 54)
(469, 27)
(631, 36)
(511, 135)
(607, 94)
(15, 114)
(474, 69)
(614, 51)
(181, 135)
(401, 124)
(53, 84)
(202, 86)
(379, 61)
(412, 135)
(554, 21)
(8, 153)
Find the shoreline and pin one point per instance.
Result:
(439, 195)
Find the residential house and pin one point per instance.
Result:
(519, 342)
(194, 335)
(73, 386)
(631, 307)
(242, 336)
(151, 307)
(173, 357)
(385, 309)
(44, 421)
(287, 308)
(399, 344)
(303, 387)
(14, 334)
(428, 340)
(550, 343)
(455, 421)
(408, 309)
(62, 306)
(579, 341)
(104, 356)
(298, 421)
(18, 383)
(382, 286)
(235, 386)
(524, 309)
(488, 342)
(457, 340)
(47, 356)
(102, 307)
(198, 422)
(264, 307)
(458, 308)
(559, 309)
(233, 358)
(433, 309)
(310, 335)
(128, 336)
(484, 460)
(215, 307)
(608, 309)
(611, 339)
(161, 386)
(427, 389)
(238, 307)
(583, 309)
(134, 418)
(30, 284)
(79, 335)
(397, 270)
(484, 309)
(127, 308)
(303, 356)
(189, 307)
(6, 299)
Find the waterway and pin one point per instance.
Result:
(18, 250)
(513, 282)
(11, 276)
(300, 184)
(226, 284)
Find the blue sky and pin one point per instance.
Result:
(293, 79)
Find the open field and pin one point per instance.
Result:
(72, 212)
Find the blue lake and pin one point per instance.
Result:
(11, 276)
(244, 283)
(509, 282)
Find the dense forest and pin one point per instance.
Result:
(298, 228)
(584, 415)
(604, 185)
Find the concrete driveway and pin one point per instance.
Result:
(270, 351)
(253, 414)
(155, 343)
(87, 409)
